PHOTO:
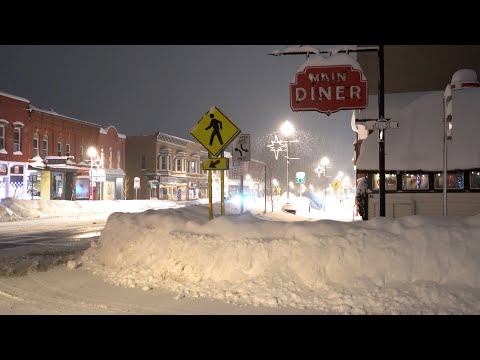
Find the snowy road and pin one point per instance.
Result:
(42, 243)
(60, 291)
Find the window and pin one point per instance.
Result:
(193, 167)
(67, 149)
(2, 136)
(454, 181)
(142, 164)
(390, 182)
(163, 163)
(45, 146)
(475, 180)
(17, 137)
(35, 144)
(81, 154)
(119, 163)
(102, 155)
(110, 157)
(59, 149)
(179, 165)
(415, 182)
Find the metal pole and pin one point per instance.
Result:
(326, 181)
(444, 159)
(241, 193)
(381, 132)
(210, 209)
(265, 189)
(91, 178)
(222, 190)
(288, 185)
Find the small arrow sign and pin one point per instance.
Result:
(216, 164)
(213, 164)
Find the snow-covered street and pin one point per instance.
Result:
(165, 258)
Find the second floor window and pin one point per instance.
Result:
(118, 160)
(110, 157)
(35, 144)
(17, 139)
(59, 149)
(193, 167)
(2, 137)
(142, 165)
(45, 146)
(68, 150)
(80, 158)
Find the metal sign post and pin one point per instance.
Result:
(215, 131)
(222, 191)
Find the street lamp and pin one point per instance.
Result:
(324, 162)
(287, 129)
(92, 152)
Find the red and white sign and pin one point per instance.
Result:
(328, 89)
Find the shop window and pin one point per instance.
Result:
(390, 182)
(454, 181)
(475, 180)
(415, 182)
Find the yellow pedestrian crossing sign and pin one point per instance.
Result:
(215, 131)
(215, 164)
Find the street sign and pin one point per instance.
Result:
(328, 89)
(241, 148)
(136, 183)
(237, 168)
(215, 131)
(300, 177)
(215, 164)
(381, 125)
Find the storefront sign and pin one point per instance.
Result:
(16, 169)
(328, 89)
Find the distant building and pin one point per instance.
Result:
(43, 154)
(169, 167)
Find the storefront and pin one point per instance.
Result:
(13, 180)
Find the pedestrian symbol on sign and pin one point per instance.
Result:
(216, 129)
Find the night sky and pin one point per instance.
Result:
(144, 89)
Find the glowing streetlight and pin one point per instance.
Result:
(92, 152)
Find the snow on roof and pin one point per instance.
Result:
(62, 116)
(394, 103)
(121, 136)
(418, 142)
(14, 97)
(337, 59)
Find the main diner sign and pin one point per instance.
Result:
(328, 89)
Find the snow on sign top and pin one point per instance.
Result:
(337, 59)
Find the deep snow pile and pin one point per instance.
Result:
(410, 265)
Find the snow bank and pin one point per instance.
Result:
(15, 209)
(244, 260)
